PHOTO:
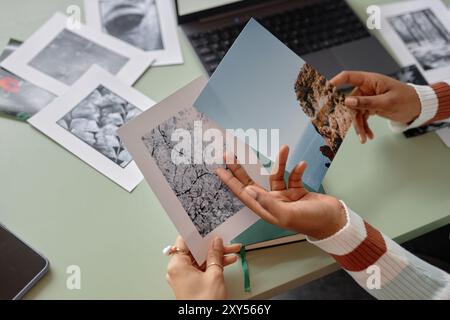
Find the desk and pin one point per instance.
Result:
(76, 216)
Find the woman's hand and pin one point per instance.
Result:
(190, 281)
(378, 94)
(289, 206)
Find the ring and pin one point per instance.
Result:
(214, 264)
(169, 250)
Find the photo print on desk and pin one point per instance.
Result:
(207, 201)
(20, 98)
(95, 120)
(85, 120)
(418, 33)
(149, 25)
(55, 57)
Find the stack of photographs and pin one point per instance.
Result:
(75, 82)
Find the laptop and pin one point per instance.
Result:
(326, 33)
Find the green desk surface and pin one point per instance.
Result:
(76, 216)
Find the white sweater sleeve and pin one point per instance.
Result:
(381, 266)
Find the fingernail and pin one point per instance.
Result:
(351, 102)
(217, 244)
(252, 193)
(361, 139)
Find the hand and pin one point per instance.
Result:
(190, 281)
(380, 95)
(288, 206)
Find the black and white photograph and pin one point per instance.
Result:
(194, 198)
(95, 120)
(207, 201)
(19, 98)
(134, 21)
(85, 120)
(68, 56)
(418, 33)
(425, 37)
(149, 25)
(55, 57)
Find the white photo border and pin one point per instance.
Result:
(17, 63)
(171, 54)
(132, 133)
(398, 48)
(46, 122)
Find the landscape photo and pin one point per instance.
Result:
(425, 36)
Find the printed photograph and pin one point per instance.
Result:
(96, 119)
(410, 74)
(68, 56)
(415, 132)
(136, 22)
(324, 106)
(425, 36)
(20, 98)
(204, 197)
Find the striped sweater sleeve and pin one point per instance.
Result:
(381, 266)
(435, 102)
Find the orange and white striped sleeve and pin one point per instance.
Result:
(435, 101)
(381, 266)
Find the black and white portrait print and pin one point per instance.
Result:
(136, 22)
(425, 36)
(68, 56)
(96, 119)
(204, 197)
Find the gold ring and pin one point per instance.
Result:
(214, 264)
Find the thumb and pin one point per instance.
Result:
(214, 259)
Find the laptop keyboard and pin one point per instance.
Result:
(304, 30)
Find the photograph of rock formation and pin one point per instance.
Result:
(324, 105)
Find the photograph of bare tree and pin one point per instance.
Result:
(207, 201)
(425, 36)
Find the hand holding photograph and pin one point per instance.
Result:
(198, 203)
(55, 57)
(20, 98)
(85, 122)
(418, 32)
(262, 84)
(149, 25)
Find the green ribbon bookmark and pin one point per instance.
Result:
(245, 270)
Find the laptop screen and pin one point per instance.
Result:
(186, 7)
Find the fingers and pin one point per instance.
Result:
(354, 78)
(238, 170)
(228, 260)
(295, 178)
(214, 260)
(276, 179)
(359, 127)
(367, 129)
(232, 248)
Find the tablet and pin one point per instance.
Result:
(20, 266)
